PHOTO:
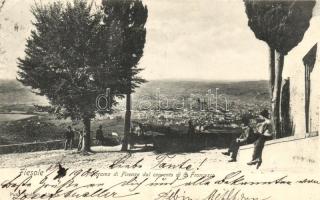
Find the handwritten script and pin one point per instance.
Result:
(126, 178)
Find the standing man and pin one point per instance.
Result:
(191, 129)
(99, 135)
(69, 135)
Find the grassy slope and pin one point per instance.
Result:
(46, 128)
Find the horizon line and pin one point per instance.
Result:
(177, 79)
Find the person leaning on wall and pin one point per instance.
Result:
(244, 138)
(263, 130)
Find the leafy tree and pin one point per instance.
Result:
(126, 21)
(67, 60)
(281, 24)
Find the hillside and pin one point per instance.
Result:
(12, 92)
(241, 90)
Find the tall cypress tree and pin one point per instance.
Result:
(281, 24)
(126, 21)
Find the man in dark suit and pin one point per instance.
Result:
(99, 135)
(69, 135)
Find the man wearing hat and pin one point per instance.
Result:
(264, 132)
(244, 138)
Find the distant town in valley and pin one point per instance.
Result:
(168, 103)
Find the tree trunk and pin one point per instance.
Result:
(86, 141)
(272, 78)
(307, 97)
(275, 101)
(127, 123)
(271, 70)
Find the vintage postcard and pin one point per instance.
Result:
(159, 99)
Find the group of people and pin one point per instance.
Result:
(70, 135)
(69, 138)
(110, 140)
(252, 133)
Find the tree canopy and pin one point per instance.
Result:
(281, 24)
(67, 58)
(125, 20)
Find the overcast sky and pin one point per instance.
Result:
(186, 39)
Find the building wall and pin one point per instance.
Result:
(295, 69)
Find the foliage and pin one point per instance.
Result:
(67, 59)
(281, 24)
(125, 21)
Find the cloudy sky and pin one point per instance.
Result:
(186, 39)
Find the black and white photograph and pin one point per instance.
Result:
(159, 99)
